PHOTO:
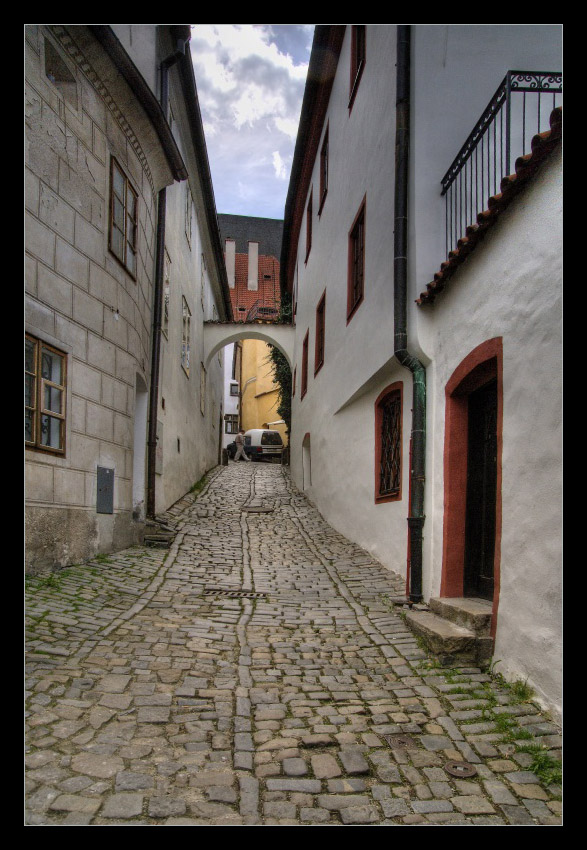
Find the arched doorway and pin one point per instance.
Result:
(472, 476)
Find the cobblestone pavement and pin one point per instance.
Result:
(155, 697)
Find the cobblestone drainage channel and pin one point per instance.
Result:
(247, 594)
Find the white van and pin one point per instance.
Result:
(261, 443)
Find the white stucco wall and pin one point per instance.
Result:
(511, 287)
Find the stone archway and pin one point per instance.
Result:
(219, 334)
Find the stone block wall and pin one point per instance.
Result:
(80, 300)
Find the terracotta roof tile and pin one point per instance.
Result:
(526, 166)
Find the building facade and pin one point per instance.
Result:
(123, 264)
(403, 390)
(252, 247)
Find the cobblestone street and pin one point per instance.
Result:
(257, 673)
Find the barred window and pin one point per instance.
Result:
(320, 334)
(309, 226)
(388, 442)
(323, 171)
(304, 387)
(166, 295)
(123, 219)
(358, 57)
(356, 275)
(44, 412)
(185, 336)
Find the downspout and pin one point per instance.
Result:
(400, 275)
(158, 288)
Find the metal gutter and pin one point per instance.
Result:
(182, 40)
(400, 286)
(143, 93)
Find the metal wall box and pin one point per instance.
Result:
(105, 496)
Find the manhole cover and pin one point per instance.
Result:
(460, 769)
(401, 742)
(239, 594)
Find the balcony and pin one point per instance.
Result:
(519, 110)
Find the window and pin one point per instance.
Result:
(388, 444)
(356, 272)
(231, 423)
(123, 219)
(358, 56)
(320, 332)
(166, 289)
(304, 387)
(234, 389)
(44, 411)
(309, 226)
(323, 171)
(202, 389)
(185, 336)
(189, 204)
(293, 392)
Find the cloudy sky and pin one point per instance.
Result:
(250, 80)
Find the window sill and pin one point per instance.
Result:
(393, 497)
(354, 310)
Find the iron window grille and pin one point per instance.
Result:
(185, 336)
(356, 285)
(122, 237)
(304, 387)
(388, 425)
(323, 171)
(309, 226)
(45, 396)
(320, 334)
(358, 57)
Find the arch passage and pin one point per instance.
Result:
(219, 334)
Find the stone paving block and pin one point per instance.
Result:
(124, 805)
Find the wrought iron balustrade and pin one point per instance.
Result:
(505, 129)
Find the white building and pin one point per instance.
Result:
(386, 111)
(124, 264)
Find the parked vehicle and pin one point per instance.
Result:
(260, 444)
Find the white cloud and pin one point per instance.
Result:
(250, 91)
(279, 166)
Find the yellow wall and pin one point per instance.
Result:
(259, 398)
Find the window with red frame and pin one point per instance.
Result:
(293, 392)
(358, 57)
(323, 171)
(388, 444)
(356, 277)
(320, 334)
(309, 226)
(304, 387)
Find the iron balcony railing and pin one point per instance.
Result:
(506, 128)
(268, 311)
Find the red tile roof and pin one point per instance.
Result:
(526, 166)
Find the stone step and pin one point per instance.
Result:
(470, 613)
(451, 643)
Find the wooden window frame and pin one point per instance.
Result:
(395, 389)
(231, 423)
(324, 168)
(304, 381)
(38, 411)
(293, 392)
(309, 226)
(128, 188)
(356, 234)
(320, 334)
(185, 335)
(358, 58)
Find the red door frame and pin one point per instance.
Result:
(483, 364)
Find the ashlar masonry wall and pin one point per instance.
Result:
(80, 299)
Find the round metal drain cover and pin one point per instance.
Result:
(460, 769)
